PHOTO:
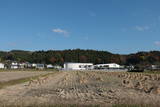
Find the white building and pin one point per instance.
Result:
(22, 65)
(78, 66)
(40, 66)
(2, 66)
(14, 65)
(109, 66)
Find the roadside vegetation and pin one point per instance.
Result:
(4, 84)
(27, 70)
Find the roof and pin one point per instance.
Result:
(108, 64)
(76, 63)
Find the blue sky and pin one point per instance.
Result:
(118, 26)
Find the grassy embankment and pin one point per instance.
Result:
(22, 80)
(13, 70)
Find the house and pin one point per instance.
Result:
(107, 66)
(2, 66)
(28, 65)
(77, 66)
(40, 66)
(22, 65)
(14, 65)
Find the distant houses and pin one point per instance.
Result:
(67, 66)
(25, 65)
(74, 66)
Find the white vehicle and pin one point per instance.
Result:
(49, 66)
(108, 66)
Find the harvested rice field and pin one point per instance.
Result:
(81, 88)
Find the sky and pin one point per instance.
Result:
(117, 26)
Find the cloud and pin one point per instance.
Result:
(142, 28)
(157, 43)
(61, 31)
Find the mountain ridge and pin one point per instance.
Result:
(58, 57)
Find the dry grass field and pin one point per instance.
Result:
(81, 88)
(8, 76)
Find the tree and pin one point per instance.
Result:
(83, 58)
(53, 60)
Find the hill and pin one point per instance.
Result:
(80, 55)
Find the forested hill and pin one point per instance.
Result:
(78, 55)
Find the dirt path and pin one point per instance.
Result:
(79, 87)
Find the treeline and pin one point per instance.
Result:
(57, 57)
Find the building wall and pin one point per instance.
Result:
(14, 67)
(40, 66)
(114, 65)
(1, 66)
(77, 66)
